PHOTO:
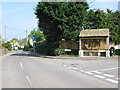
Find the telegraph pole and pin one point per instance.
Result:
(26, 37)
(5, 35)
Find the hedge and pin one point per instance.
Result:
(117, 51)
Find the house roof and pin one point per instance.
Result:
(94, 32)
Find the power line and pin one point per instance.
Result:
(91, 2)
(11, 28)
(6, 27)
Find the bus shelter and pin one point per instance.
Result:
(94, 42)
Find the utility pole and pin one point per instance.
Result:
(3, 27)
(26, 37)
(5, 35)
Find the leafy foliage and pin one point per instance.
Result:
(64, 20)
(59, 51)
(117, 52)
(61, 20)
(26, 47)
(7, 45)
(39, 35)
(100, 19)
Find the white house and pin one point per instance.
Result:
(117, 47)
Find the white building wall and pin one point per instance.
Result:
(117, 47)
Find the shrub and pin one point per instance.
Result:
(40, 47)
(117, 51)
(26, 47)
(7, 45)
(46, 47)
(74, 52)
(59, 51)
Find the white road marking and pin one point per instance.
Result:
(89, 73)
(81, 70)
(99, 76)
(111, 80)
(29, 81)
(108, 75)
(109, 69)
(97, 72)
(64, 65)
(21, 65)
(106, 69)
(75, 69)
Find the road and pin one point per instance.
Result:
(0, 72)
(20, 70)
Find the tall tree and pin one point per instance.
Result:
(115, 32)
(38, 34)
(100, 19)
(61, 20)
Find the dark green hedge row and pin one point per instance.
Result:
(117, 51)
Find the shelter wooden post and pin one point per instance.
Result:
(80, 49)
(107, 47)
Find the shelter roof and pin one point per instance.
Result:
(94, 32)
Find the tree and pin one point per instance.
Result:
(39, 35)
(14, 40)
(61, 20)
(115, 32)
(97, 19)
(7, 45)
(100, 19)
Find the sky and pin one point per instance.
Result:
(18, 16)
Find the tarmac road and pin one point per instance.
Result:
(20, 70)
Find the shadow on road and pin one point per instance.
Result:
(20, 54)
(24, 54)
(63, 57)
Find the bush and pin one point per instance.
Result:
(46, 47)
(26, 47)
(117, 51)
(74, 52)
(40, 47)
(59, 51)
(7, 45)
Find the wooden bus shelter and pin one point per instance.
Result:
(94, 42)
